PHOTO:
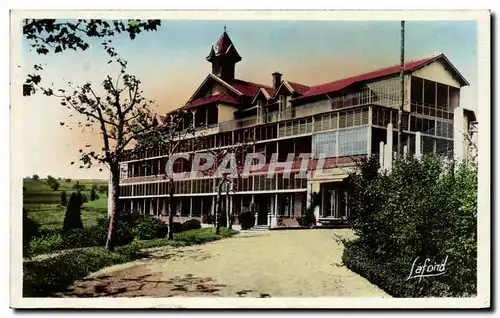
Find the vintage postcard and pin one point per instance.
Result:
(246, 159)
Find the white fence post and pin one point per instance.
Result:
(418, 144)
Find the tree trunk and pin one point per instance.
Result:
(171, 209)
(114, 196)
(228, 216)
(218, 207)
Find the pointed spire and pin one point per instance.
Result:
(223, 56)
(224, 46)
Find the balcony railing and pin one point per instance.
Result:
(363, 98)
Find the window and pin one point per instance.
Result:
(332, 203)
(427, 145)
(352, 141)
(416, 90)
(284, 103)
(429, 93)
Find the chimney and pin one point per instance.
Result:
(276, 79)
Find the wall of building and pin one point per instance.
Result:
(216, 89)
(437, 72)
(226, 112)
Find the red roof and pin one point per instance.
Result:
(212, 99)
(223, 43)
(299, 88)
(248, 88)
(340, 84)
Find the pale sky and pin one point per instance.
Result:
(171, 65)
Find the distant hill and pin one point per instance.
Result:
(39, 192)
(44, 204)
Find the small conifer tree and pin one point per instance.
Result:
(64, 200)
(73, 217)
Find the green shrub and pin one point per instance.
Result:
(223, 219)
(43, 278)
(163, 230)
(103, 189)
(83, 197)
(99, 232)
(79, 238)
(246, 220)
(93, 195)
(64, 199)
(307, 219)
(55, 185)
(421, 209)
(392, 276)
(192, 224)
(208, 219)
(30, 230)
(78, 187)
(201, 236)
(145, 227)
(46, 244)
(176, 227)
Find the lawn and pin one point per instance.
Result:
(44, 204)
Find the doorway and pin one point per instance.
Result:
(263, 206)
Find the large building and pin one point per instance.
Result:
(344, 120)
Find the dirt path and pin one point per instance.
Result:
(261, 264)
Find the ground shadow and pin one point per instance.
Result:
(146, 285)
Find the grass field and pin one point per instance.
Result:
(44, 205)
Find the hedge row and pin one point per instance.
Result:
(42, 278)
(131, 227)
(422, 209)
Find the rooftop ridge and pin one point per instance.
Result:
(378, 70)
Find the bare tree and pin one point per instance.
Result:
(233, 155)
(56, 36)
(123, 116)
(175, 129)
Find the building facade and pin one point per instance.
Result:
(337, 123)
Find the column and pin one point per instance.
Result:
(458, 134)
(164, 207)
(369, 143)
(230, 205)
(308, 194)
(213, 205)
(418, 144)
(254, 208)
(190, 207)
(381, 155)
(389, 144)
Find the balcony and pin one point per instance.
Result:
(363, 98)
(366, 97)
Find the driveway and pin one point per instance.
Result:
(252, 264)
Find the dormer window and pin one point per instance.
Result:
(284, 102)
